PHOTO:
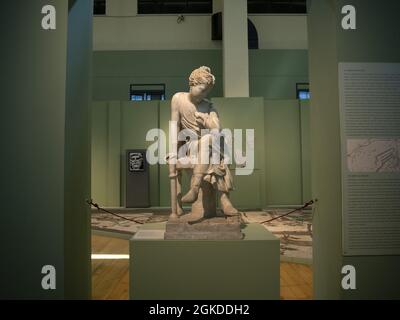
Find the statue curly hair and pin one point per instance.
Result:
(201, 75)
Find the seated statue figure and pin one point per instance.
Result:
(192, 111)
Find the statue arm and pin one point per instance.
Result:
(210, 120)
(175, 110)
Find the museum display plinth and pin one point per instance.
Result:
(204, 269)
(216, 228)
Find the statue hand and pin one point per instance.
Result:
(200, 117)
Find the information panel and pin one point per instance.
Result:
(370, 140)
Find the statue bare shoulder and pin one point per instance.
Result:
(176, 98)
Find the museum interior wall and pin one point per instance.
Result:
(372, 41)
(45, 133)
(129, 50)
(67, 122)
(77, 156)
(123, 29)
(273, 74)
(282, 149)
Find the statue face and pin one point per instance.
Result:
(200, 91)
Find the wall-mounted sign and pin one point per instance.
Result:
(370, 142)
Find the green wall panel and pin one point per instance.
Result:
(45, 150)
(248, 191)
(273, 74)
(27, 130)
(377, 276)
(137, 118)
(279, 155)
(305, 149)
(106, 136)
(246, 113)
(116, 127)
(113, 154)
(380, 43)
(77, 222)
(99, 143)
(282, 152)
(114, 71)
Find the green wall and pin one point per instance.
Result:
(305, 140)
(118, 126)
(273, 74)
(45, 150)
(136, 121)
(375, 40)
(283, 152)
(280, 177)
(77, 173)
(246, 113)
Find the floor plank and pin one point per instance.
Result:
(110, 278)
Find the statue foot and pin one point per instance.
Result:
(227, 207)
(230, 211)
(173, 216)
(180, 211)
(191, 196)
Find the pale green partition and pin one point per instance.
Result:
(137, 118)
(99, 139)
(273, 74)
(305, 149)
(113, 154)
(106, 133)
(77, 171)
(116, 127)
(377, 277)
(281, 173)
(246, 113)
(115, 71)
(45, 150)
(282, 153)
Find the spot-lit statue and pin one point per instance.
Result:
(202, 154)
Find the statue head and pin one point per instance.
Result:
(201, 81)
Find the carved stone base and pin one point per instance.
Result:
(217, 228)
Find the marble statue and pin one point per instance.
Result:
(193, 112)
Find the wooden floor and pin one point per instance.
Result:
(110, 278)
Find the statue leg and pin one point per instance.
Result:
(192, 195)
(227, 206)
(205, 206)
(199, 170)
